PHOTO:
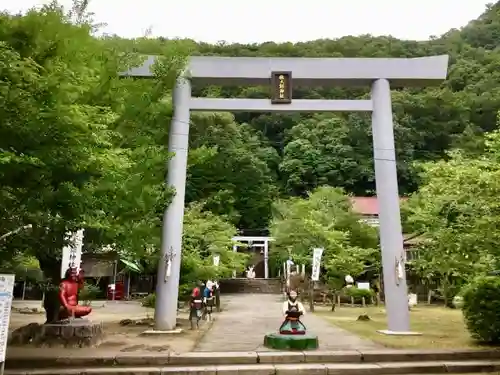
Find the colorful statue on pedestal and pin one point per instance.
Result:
(208, 300)
(250, 272)
(68, 295)
(196, 306)
(293, 310)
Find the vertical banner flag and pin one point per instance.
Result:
(72, 252)
(316, 264)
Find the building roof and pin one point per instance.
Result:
(366, 205)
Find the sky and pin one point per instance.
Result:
(258, 21)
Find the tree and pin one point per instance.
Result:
(207, 235)
(456, 209)
(66, 163)
(230, 170)
(324, 220)
(319, 152)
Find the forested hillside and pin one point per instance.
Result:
(300, 152)
(81, 147)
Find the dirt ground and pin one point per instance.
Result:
(119, 338)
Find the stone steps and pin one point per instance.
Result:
(376, 368)
(363, 362)
(242, 285)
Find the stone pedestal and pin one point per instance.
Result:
(291, 342)
(77, 333)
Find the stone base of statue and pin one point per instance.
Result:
(281, 341)
(76, 333)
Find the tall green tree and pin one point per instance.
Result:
(324, 220)
(456, 211)
(231, 170)
(66, 161)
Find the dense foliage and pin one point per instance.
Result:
(324, 220)
(81, 147)
(457, 211)
(482, 309)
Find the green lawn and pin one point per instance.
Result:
(440, 327)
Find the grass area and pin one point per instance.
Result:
(441, 328)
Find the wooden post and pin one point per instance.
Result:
(24, 285)
(217, 298)
(115, 270)
(311, 296)
(266, 259)
(235, 249)
(129, 276)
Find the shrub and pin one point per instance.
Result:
(481, 309)
(149, 300)
(358, 294)
(89, 293)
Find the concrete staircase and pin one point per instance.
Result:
(243, 285)
(374, 362)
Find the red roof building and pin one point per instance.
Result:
(369, 209)
(366, 206)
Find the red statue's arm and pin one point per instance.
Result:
(62, 298)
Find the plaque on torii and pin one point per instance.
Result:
(281, 87)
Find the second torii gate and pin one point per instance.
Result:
(256, 241)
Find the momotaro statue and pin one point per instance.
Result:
(293, 310)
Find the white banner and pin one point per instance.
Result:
(316, 264)
(216, 260)
(6, 293)
(72, 252)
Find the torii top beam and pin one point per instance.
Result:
(310, 72)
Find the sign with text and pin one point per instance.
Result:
(6, 293)
(316, 264)
(281, 87)
(72, 252)
(364, 286)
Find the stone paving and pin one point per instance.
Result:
(246, 318)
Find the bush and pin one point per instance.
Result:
(481, 309)
(358, 294)
(89, 293)
(149, 300)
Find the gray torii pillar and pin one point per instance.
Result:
(391, 238)
(167, 287)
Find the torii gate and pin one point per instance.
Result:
(256, 241)
(379, 73)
